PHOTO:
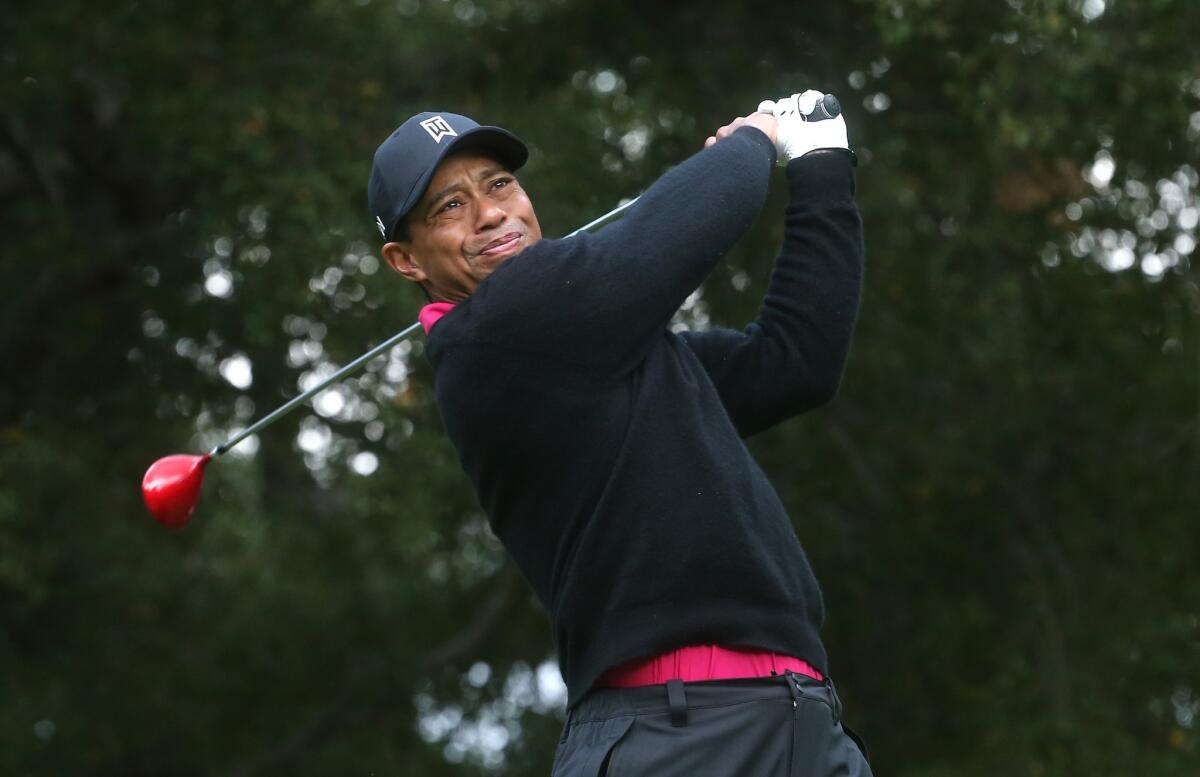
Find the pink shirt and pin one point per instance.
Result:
(704, 662)
(692, 663)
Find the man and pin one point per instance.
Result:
(607, 451)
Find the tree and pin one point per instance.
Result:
(997, 504)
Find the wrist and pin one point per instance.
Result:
(813, 154)
(821, 173)
(759, 138)
(765, 122)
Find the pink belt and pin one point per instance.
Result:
(704, 662)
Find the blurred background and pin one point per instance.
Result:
(1001, 504)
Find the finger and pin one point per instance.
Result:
(710, 141)
(728, 129)
(766, 106)
(808, 101)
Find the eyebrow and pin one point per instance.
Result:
(454, 187)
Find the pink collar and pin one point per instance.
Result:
(432, 313)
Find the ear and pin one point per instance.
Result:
(399, 257)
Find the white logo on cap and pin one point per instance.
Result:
(382, 228)
(438, 128)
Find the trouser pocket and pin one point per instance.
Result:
(821, 745)
(862, 746)
(587, 746)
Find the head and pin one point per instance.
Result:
(445, 198)
(472, 217)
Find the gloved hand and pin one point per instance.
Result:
(807, 122)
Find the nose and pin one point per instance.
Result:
(491, 215)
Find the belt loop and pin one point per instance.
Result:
(793, 686)
(678, 701)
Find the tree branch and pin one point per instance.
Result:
(344, 715)
(864, 473)
(17, 140)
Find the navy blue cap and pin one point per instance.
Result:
(406, 161)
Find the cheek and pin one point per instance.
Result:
(531, 219)
(524, 208)
(450, 241)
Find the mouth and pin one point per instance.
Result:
(502, 245)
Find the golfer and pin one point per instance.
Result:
(607, 450)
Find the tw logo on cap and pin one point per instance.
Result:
(438, 128)
(382, 228)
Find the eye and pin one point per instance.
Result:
(500, 183)
(449, 205)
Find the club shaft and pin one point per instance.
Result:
(282, 410)
(605, 217)
(317, 389)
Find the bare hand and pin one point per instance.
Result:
(764, 122)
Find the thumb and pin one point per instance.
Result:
(766, 106)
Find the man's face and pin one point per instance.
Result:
(473, 217)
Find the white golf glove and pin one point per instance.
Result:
(807, 122)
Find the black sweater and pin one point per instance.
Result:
(607, 451)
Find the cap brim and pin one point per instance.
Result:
(509, 148)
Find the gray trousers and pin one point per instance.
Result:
(785, 726)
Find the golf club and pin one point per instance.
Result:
(171, 486)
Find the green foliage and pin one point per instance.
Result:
(1000, 504)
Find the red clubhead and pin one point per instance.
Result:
(171, 487)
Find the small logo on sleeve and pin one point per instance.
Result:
(438, 128)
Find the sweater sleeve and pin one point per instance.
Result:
(791, 358)
(602, 298)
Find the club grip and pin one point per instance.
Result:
(827, 107)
